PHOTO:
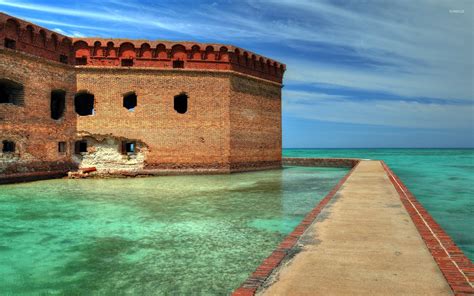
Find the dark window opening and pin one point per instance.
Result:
(84, 104)
(63, 59)
(127, 63)
(10, 43)
(130, 101)
(58, 104)
(11, 92)
(8, 147)
(178, 64)
(129, 147)
(80, 147)
(181, 103)
(62, 147)
(81, 61)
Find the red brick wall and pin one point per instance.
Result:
(30, 126)
(255, 123)
(233, 122)
(198, 138)
(161, 54)
(35, 40)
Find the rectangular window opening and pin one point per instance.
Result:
(127, 63)
(63, 59)
(10, 43)
(178, 64)
(81, 147)
(8, 147)
(58, 103)
(11, 92)
(81, 61)
(62, 147)
(129, 147)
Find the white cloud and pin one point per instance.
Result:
(106, 14)
(63, 24)
(333, 108)
(418, 48)
(424, 84)
(59, 31)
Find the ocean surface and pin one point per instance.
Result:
(441, 179)
(182, 235)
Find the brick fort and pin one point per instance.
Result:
(133, 106)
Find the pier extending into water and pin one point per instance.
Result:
(368, 236)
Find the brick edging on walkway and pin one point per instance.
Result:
(256, 280)
(455, 266)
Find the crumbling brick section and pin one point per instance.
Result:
(177, 107)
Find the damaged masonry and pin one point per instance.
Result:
(109, 155)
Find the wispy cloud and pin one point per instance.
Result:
(403, 49)
(63, 24)
(333, 108)
(417, 53)
(107, 14)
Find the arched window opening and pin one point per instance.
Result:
(145, 51)
(98, 52)
(43, 37)
(12, 28)
(181, 103)
(84, 104)
(54, 41)
(130, 101)
(161, 52)
(30, 33)
(210, 55)
(195, 52)
(110, 51)
(8, 146)
(58, 103)
(11, 92)
(223, 54)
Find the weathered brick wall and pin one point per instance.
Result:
(35, 40)
(233, 121)
(30, 125)
(199, 138)
(255, 123)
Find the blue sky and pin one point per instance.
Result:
(359, 73)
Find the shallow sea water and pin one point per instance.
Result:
(441, 179)
(186, 235)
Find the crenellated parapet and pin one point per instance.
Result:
(20, 35)
(178, 55)
(17, 34)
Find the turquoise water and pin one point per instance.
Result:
(441, 179)
(186, 235)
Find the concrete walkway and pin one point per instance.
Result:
(363, 243)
